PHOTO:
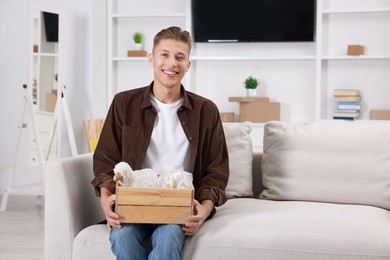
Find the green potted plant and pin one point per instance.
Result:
(251, 84)
(137, 38)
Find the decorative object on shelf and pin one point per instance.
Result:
(137, 38)
(355, 50)
(380, 114)
(250, 84)
(51, 100)
(136, 53)
(93, 129)
(257, 109)
(227, 116)
(34, 91)
(35, 48)
(347, 104)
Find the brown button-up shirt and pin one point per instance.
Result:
(127, 132)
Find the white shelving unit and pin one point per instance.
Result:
(301, 76)
(353, 22)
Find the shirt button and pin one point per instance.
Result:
(190, 138)
(183, 123)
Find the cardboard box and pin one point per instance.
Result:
(51, 101)
(136, 53)
(257, 109)
(380, 114)
(355, 50)
(154, 205)
(227, 117)
(259, 112)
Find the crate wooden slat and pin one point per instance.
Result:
(154, 214)
(152, 205)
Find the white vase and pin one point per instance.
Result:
(251, 92)
(138, 46)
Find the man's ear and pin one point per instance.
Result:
(188, 66)
(150, 58)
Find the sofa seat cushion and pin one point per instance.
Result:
(262, 229)
(92, 243)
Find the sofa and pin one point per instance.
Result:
(318, 190)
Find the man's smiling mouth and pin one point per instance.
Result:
(170, 72)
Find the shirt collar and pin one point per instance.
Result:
(146, 99)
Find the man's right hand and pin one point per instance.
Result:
(107, 202)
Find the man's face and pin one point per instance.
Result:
(170, 60)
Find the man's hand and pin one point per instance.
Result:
(107, 201)
(194, 222)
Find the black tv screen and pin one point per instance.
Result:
(50, 21)
(253, 20)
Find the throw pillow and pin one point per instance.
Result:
(325, 161)
(239, 145)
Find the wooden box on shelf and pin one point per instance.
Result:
(355, 50)
(51, 100)
(227, 116)
(154, 205)
(136, 53)
(380, 114)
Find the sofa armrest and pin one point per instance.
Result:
(70, 204)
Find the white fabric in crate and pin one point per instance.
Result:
(239, 144)
(325, 161)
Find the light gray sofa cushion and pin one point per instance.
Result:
(293, 230)
(345, 162)
(239, 144)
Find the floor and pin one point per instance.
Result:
(22, 226)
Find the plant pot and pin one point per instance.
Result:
(138, 46)
(251, 92)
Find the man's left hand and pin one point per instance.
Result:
(194, 222)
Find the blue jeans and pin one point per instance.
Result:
(129, 242)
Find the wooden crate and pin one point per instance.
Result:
(154, 205)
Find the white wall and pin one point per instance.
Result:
(76, 72)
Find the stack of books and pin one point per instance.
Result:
(347, 104)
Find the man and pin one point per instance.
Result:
(162, 126)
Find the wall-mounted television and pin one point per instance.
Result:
(253, 20)
(50, 21)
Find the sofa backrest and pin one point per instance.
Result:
(327, 161)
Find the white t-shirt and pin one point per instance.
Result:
(169, 148)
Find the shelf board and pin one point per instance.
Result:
(372, 11)
(226, 58)
(362, 57)
(129, 58)
(254, 58)
(45, 54)
(148, 16)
